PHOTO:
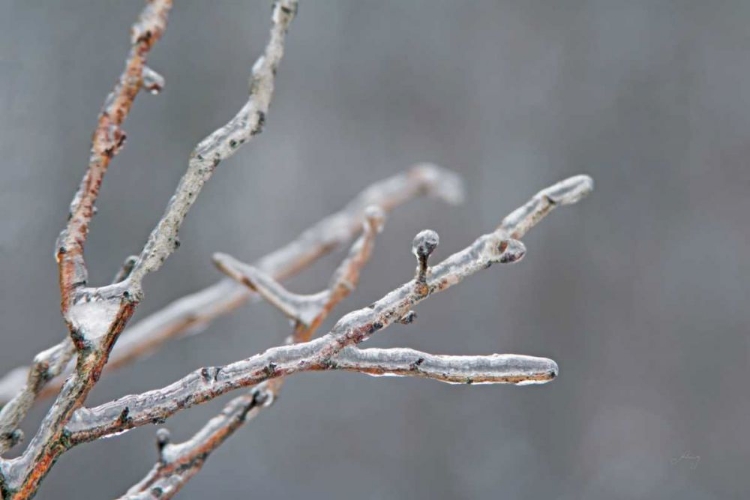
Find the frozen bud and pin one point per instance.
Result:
(162, 438)
(510, 251)
(425, 243)
(569, 191)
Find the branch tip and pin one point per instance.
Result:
(425, 242)
(441, 183)
(163, 438)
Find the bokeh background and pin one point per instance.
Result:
(640, 292)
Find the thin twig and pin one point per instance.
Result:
(306, 309)
(107, 142)
(179, 462)
(218, 146)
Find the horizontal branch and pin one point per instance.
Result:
(180, 462)
(488, 369)
(208, 383)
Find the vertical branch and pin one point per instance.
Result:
(107, 141)
(218, 146)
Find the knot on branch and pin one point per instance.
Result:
(163, 438)
(152, 81)
(374, 218)
(110, 139)
(408, 318)
(509, 251)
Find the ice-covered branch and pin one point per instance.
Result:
(355, 327)
(108, 139)
(47, 365)
(195, 311)
(487, 369)
(304, 309)
(565, 192)
(218, 146)
(94, 316)
(178, 463)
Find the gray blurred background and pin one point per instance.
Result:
(640, 292)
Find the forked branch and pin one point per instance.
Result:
(179, 462)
